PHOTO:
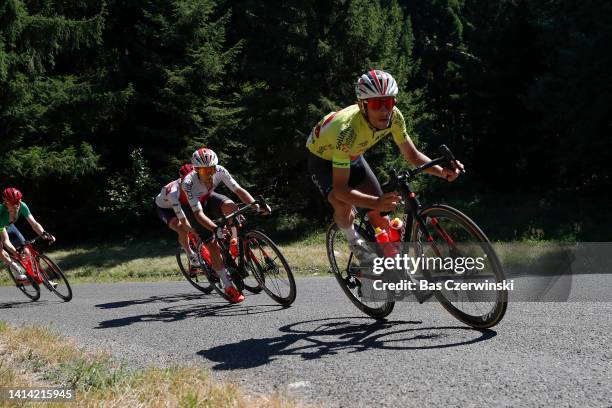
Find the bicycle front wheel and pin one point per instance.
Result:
(53, 278)
(346, 270)
(269, 267)
(474, 296)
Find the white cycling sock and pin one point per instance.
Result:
(15, 268)
(224, 276)
(351, 234)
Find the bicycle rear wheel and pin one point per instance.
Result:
(51, 272)
(197, 278)
(345, 268)
(455, 236)
(30, 288)
(269, 267)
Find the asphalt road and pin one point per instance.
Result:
(323, 350)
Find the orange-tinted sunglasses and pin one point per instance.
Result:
(378, 103)
(206, 171)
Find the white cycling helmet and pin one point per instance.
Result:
(204, 158)
(375, 84)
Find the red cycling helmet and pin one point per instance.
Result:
(185, 170)
(11, 195)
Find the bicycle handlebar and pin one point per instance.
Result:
(241, 210)
(30, 242)
(446, 159)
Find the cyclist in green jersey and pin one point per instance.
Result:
(337, 144)
(10, 211)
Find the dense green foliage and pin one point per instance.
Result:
(100, 102)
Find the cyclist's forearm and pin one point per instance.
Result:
(9, 246)
(244, 195)
(35, 225)
(6, 242)
(204, 221)
(4, 256)
(418, 159)
(355, 197)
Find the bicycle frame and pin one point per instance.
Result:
(412, 206)
(243, 247)
(26, 255)
(193, 240)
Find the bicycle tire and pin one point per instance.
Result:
(201, 285)
(67, 296)
(330, 238)
(22, 288)
(438, 212)
(267, 275)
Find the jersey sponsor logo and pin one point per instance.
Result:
(188, 187)
(346, 138)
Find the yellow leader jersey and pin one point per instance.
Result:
(345, 135)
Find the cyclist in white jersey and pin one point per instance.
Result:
(203, 202)
(169, 211)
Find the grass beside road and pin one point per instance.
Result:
(154, 260)
(35, 357)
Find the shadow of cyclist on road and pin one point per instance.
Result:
(191, 311)
(314, 339)
(151, 299)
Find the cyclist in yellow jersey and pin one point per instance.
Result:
(337, 144)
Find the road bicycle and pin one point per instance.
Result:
(257, 264)
(435, 231)
(39, 269)
(196, 276)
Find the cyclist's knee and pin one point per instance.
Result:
(182, 226)
(334, 200)
(174, 223)
(228, 207)
(339, 205)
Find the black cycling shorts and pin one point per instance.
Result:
(361, 177)
(165, 214)
(212, 209)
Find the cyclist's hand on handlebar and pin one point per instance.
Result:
(261, 209)
(219, 232)
(388, 201)
(452, 174)
(48, 237)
